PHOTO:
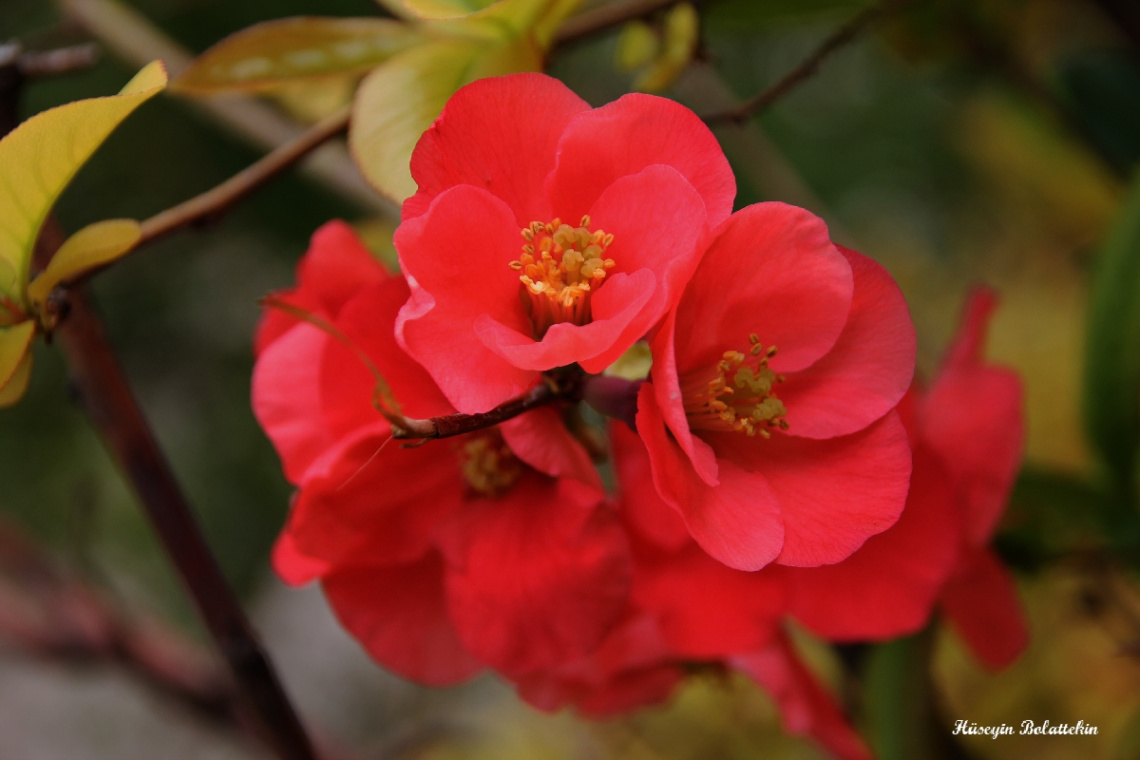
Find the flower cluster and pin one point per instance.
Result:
(776, 463)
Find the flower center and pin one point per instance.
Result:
(488, 465)
(559, 268)
(739, 397)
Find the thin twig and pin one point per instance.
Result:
(109, 402)
(610, 16)
(130, 36)
(213, 202)
(447, 426)
(54, 613)
(842, 36)
(36, 64)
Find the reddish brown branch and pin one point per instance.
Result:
(52, 613)
(842, 36)
(109, 402)
(458, 424)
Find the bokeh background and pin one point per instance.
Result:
(961, 142)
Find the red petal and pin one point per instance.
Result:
(832, 495)
(646, 516)
(287, 398)
(367, 321)
(666, 386)
(624, 137)
(888, 587)
(973, 418)
(539, 575)
(657, 220)
(500, 134)
(616, 305)
(398, 613)
(458, 252)
(707, 610)
(772, 271)
(336, 266)
(982, 604)
(630, 669)
(868, 370)
(292, 566)
(737, 521)
(369, 500)
(806, 707)
(540, 439)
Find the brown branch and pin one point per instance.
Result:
(53, 613)
(404, 428)
(41, 64)
(610, 16)
(839, 39)
(214, 202)
(109, 402)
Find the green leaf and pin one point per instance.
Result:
(93, 246)
(17, 385)
(39, 158)
(274, 53)
(14, 342)
(398, 101)
(1112, 365)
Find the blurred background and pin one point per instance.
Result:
(958, 142)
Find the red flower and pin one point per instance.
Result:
(687, 610)
(440, 558)
(794, 456)
(967, 431)
(612, 204)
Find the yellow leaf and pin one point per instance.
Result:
(17, 385)
(93, 246)
(39, 158)
(680, 43)
(398, 101)
(14, 342)
(637, 45)
(273, 53)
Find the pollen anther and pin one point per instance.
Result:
(740, 397)
(559, 268)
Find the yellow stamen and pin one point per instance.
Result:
(488, 465)
(559, 268)
(739, 396)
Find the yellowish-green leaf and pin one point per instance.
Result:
(537, 19)
(637, 46)
(14, 342)
(680, 43)
(287, 50)
(39, 158)
(398, 101)
(17, 384)
(93, 246)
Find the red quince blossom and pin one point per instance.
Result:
(546, 233)
(441, 558)
(796, 455)
(964, 466)
(689, 611)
